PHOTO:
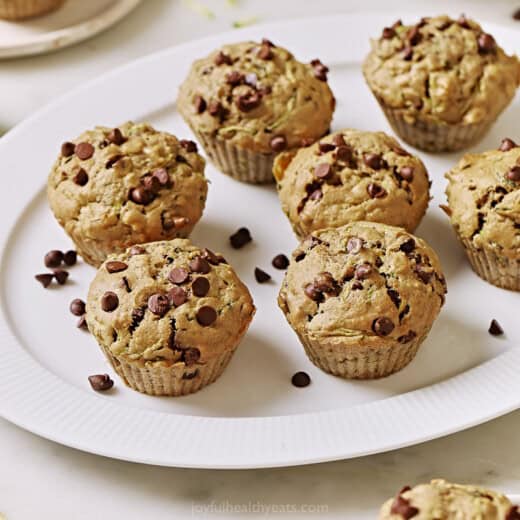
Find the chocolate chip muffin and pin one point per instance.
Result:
(111, 188)
(351, 175)
(362, 298)
(441, 82)
(484, 208)
(248, 101)
(446, 501)
(168, 316)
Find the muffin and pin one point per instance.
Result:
(351, 175)
(246, 102)
(20, 9)
(441, 499)
(441, 83)
(484, 208)
(362, 298)
(168, 316)
(112, 188)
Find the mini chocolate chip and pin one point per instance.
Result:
(495, 329)
(514, 174)
(261, 276)
(249, 101)
(114, 266)
(137, 250)
(507, 144)
(407, 54)
(206, 315)
(100, 382)
(109, 301)
(280, 262)
(141, 195)
(200, 104)
(177, 296)
(514, 511)
(200, 286)
(67, 149)
(190, 356)
(53, 258)
(116, 137)
(344, 153)
(82, 323)
(354, 245)
(178, 275)
(413, 35)
(486, 43)
(265, 52)
(326, 147)
(77, 307)
(240, 238)
(189, 146)
(363, 271)
(373, 160)
(323, 171)
(212, 258)
(222, 58)
(301, 379)
(84, 151)
(159, 304)
(375, 191)
(70, 257)
(199, 265)
(408, 246)
(234, 78)
(278, 143)
(388, 33)
(382, 326)
(463, 22)
(45, 279)
(402, 507)
(80, 178)
(406, 172)
(60, 275)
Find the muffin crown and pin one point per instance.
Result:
(448, 70)
(258, 96)
(484, 199)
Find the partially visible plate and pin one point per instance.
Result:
(75, 21)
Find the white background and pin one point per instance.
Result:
(39, 479)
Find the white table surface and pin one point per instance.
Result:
(41, 479)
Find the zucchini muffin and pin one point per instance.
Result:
(362, 298)
(246, 102)
(352, 175)
(114, 187)
(442, 500)
(441, 82)
(22, 9)
(484, 208)
(168, 316)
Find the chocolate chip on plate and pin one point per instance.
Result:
(200, 265)
(45, 279)
(114, 266)
(100, 382)
(67, 149)
(382, 326)
(177, 296)
(495, 329)
(280, 261)
(77, 307)
(61, 275)
(301, 379)
(159, 304)
(178, 275)
(278, 143)
(82, 322)
(206, 315)
(261, 276)
(84, 151)
(80, 178)
(53, 258)
(109, 301)
(200, 286)
(240, 238)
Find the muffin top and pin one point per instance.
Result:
(168, 302)
(352, 175)
(132, 184)
(448, 70)
(258, 97)
(441, 499)
(365, 284)
(484, 199)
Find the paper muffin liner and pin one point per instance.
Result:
(366, 362)
(241, 164)
(20, 9)
(174, 380)
(497, 270)
(435, 137)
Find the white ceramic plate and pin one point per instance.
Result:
(75, 21)
(252, 416)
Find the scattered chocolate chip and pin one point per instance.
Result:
(81, 177)
(116, 137)
(486, 43)
(402, 507)
(463, 22)
(189, 146)
(67, 149)
(388, 33)
(354, 245)
(344, 153)
(114, 266)
(375, 191)
(45, 279)
(507, 144)
(177, 296)
(200, 265)
(178, 275)
(141, 195)
(514, 174)
(212, 258)
(407, 54)
(495, 329)
(249, 101)
(323, 171)
(222, 58)
(406, 172)
(406, 338)
(408, 246)
(373, 160)
(53, 258)
(301, 379)
(84, 151)
(61, 275)
(200, 286)
(109, 301)
(159, 304)
(70, 257)
(514, 511)
(206, 315)
(265, 52)
(137, 250)
(190, 355)
(280, 262)
(100, 382)
(261, 276)
(234, 78)
(414, 35)
(363, 271)
(200, 104)
(382, 326)
(82, 323)
(240, 238)
(278, 143)
(326, 147)
(394, 296)
(77, 307)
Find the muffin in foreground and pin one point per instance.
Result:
(348, 176)
(443, 500)
(168, 316)
(112, 188)
(22, 9)
(362, 298)
(442, 82)
(484, 208)
(248, 101)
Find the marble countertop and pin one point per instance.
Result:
(42, 479)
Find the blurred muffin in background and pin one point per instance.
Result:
(21, 9)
